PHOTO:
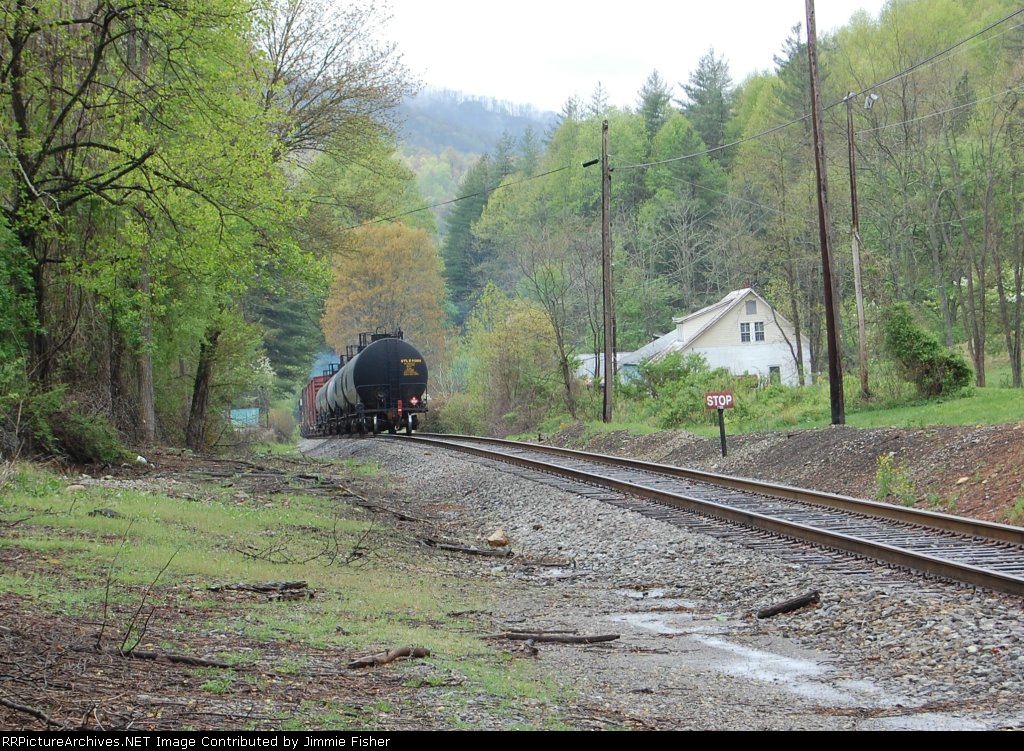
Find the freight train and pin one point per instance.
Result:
(380, 384)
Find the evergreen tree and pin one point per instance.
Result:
(653, 104)
(598, 106)
(708, 103)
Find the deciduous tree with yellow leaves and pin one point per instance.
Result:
(387, 276)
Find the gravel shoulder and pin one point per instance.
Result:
(882, 649)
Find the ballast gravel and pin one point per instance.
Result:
(883, 649)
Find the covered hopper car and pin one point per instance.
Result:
(380, 384)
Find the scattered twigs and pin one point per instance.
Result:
(106, 590)
(811, 598)
(554, 637)
(468, 549)
(331, 550)
(383, 658)
(25, 709)
(141, 631)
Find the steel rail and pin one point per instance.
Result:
(925, 563)
(933, 519)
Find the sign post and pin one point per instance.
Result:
(720, 400)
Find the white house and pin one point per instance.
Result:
(741, 332)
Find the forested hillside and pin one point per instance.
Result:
(443, 133)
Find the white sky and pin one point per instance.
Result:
(542, 52)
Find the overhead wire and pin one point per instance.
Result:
(478, 193)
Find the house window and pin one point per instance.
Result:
(744, 332)
(751, 307)
(774, 374)
(759, 331)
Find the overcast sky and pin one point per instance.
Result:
(542, 52)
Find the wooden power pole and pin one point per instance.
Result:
(835, 366)
(606, 268)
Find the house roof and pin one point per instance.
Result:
(712, 313)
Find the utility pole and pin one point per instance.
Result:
(865, 392)
(835, 366)
(606, 267)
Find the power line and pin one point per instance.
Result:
(942, 112)
(486, 192)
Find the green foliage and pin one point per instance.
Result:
(34, 421)
(675, 386)
(893, 481)
(512, 369)
(932, 368)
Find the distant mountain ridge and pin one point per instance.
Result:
(439, 119)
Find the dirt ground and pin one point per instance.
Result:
(968, 471)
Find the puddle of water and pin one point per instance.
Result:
(767, 667)
(928, 721)
(655, 622)
(642, 594)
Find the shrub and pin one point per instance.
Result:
(935, 370)
(47, 422)
(86, 439)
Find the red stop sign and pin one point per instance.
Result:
(719, 400)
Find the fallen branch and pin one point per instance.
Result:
(25, 709)
(265, 587)
(183, 659)
(811, 598)
(383, 658)
(558, 638)
(467, 549)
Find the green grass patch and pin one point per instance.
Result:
(167, 551)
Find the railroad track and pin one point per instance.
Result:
(978, 553)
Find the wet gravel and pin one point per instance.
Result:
(883, 649)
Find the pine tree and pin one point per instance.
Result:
(653, 104)
(708, 103)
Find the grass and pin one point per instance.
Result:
(180, 547)
(894, 405)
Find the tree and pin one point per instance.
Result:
(326, 86)
(325, 77)
(513, 377)
(654, 104)
(386, 276)
(708, 102)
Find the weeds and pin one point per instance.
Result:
(893, 481)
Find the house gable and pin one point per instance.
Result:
(741, 333)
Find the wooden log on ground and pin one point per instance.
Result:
(468, 550)
(383, 658)
(811, 598)
(264, 587)
(557, 638)
(181, 659)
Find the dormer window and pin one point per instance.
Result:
(751, 307)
